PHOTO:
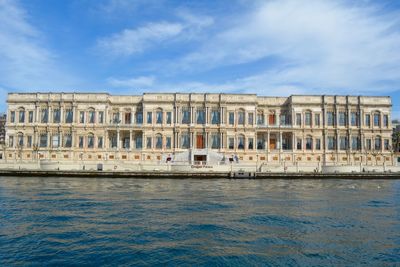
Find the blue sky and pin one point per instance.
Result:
(266, 47)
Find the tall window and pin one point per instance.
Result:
(115, 118)
(250, 118)
(317, 119)
(139, 117)
(128, 117)
(331, 142)
(55, 140)
(68, 115)
(250, 143)
(22, 116)
(368, 120)
(30, 115)
(299, 144)
(100, 142)
(318, 144)
(159, 116)
(343, 143)
(342, 119)
(80, 142)
(43, 140)
(308, 118)
(215, 140)
(81, 117)
(148, 143)
(101, 117)
(260, 118)
(185, 140)
(240, 142)
(378, 144)
(169, 117)
(11, 141)
(168, 142)
(92, 116)
(68, 140)
(231, 143)
(149, 117)
(241, 117)
(215, 116)
(45, 115)
(377, 119)
(386, 144)
(185, 115)
(114, 141)
(231, 118)
(368, 144)
(158, 141)
(56, 115)
(309, 142)
(139, 142)
(260, 142)
(12, 116)
(354, 118)
(284, 119)
(29, 141)
(385, 121)
(90, 141)
(330, 118)
(298, 119)
(20, 140)
(355, 143)
(200, 116)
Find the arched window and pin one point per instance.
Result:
(92, 115)
(377, 119)
(307, 118)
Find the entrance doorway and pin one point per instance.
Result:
(200, 158)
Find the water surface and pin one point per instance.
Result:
(78, 221)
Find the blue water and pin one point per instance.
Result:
(75, 221)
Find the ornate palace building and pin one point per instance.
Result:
(191, 127)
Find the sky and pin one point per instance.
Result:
(270, 48)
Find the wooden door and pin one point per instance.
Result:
(199, 141)
(272, 144)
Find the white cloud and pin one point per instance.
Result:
(142, 81)
(315, 44)
(25, 63)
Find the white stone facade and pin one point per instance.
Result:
(300, 129)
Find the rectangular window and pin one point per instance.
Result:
(148, 142)
(250, 143)
(30, 115)
(168, 142)
(45, 115)
(22, 116)
(241, 117)
(69, 116)
(250, 118)
(318, 144)
(354, 118)
(260, 119)
(378, 143)
(331, 143)
(169, 117)
(308, 143)
(115, 118)
(385, 121)
(342, 119)
(139, 142)
(114, 141)
(185, 141)
(139, 118)
(159, 117)
(330, 118)
(343, 143)
(12, 116)
(56, 115)
(298, 119)
(377, 119)
(368, 144)
(215, 117)
(90, 143)
(231, 118)
(367, 120)
(241, 142)
(29, 141)
(43, 140)
(100, 142)
(20, 140)
(271, 119)
(101, 117)
(128, 117)
(81, 117)
(55, 140)
(231, 143)
(200, 116)
(80, 141)
(215, 140)
(11, 141)
(92, 116)
(317, 120)
(355, 143)
(149, 117)
(386, 144)
(308, 118)
(158, 142)
(299, 144)
(185, 115)
(67, 140)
